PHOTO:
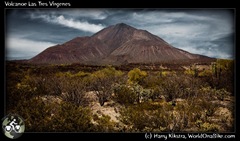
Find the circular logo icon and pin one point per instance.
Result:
(13, 126)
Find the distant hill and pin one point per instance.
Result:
(117, 45)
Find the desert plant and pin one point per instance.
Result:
(136, 75)
(71, 118)
(209, 127)
(102, 81)
(103, 123)
(135, 117)
(74, 91)
(222, 94)
(124, 94)
(36, 114)
(147, 117)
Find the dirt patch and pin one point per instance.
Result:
(48, 99)
(106, 110)
(109, 108)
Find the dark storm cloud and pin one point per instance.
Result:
(203, 31)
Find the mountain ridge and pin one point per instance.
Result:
(116, 44)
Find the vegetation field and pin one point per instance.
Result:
(131, 98)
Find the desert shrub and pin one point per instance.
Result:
(124, 94)
(181, 117)
(227, 123)
(189, 72)
(135, 117)
(198, 123)
(54, 117)
(181, 86)
(147, 94)
(71, 118)
(193, 110)
(207, 93)
(205, 73)
(147, 117)
(35, 113)
(223, 73)
(103, 123)
(131, 93)
(136, 75)
(17, 87)
(222, 94)
(152, 81)
(210, 93)
(40, 84)
(157, 92)
(108, 72)
(170, 88)
(162, 118)
(79, 74)
(164, 73)
(137, 90)
(71, 89)
(200, 108)
(20, 90)
(102, 81)
(208, 127)
(192, 71)
(74, 91)
(29, 86)
(208, 107)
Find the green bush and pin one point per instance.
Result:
(71, 118)
(74, 91)
(157, 92)
(147, 117)
(41, 84)
(68, 74)
(136, 75)
(35, 113)
(129, 94)
(102, 81)
(222, 94)
(103, 123)
(152, 81)
(209, 127)
(135, 117)
(124, 94)
(53, 117)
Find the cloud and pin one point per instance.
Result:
(69, 22)
(196, 32)
(96, 14)
(25, 48)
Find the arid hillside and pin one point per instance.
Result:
(118, 44)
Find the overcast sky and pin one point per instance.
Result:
(208, 32)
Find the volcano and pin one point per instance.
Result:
(116, 45)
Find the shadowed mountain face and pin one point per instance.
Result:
(117, 44)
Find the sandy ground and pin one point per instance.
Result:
(109, 108)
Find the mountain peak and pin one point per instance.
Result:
(122, 25)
